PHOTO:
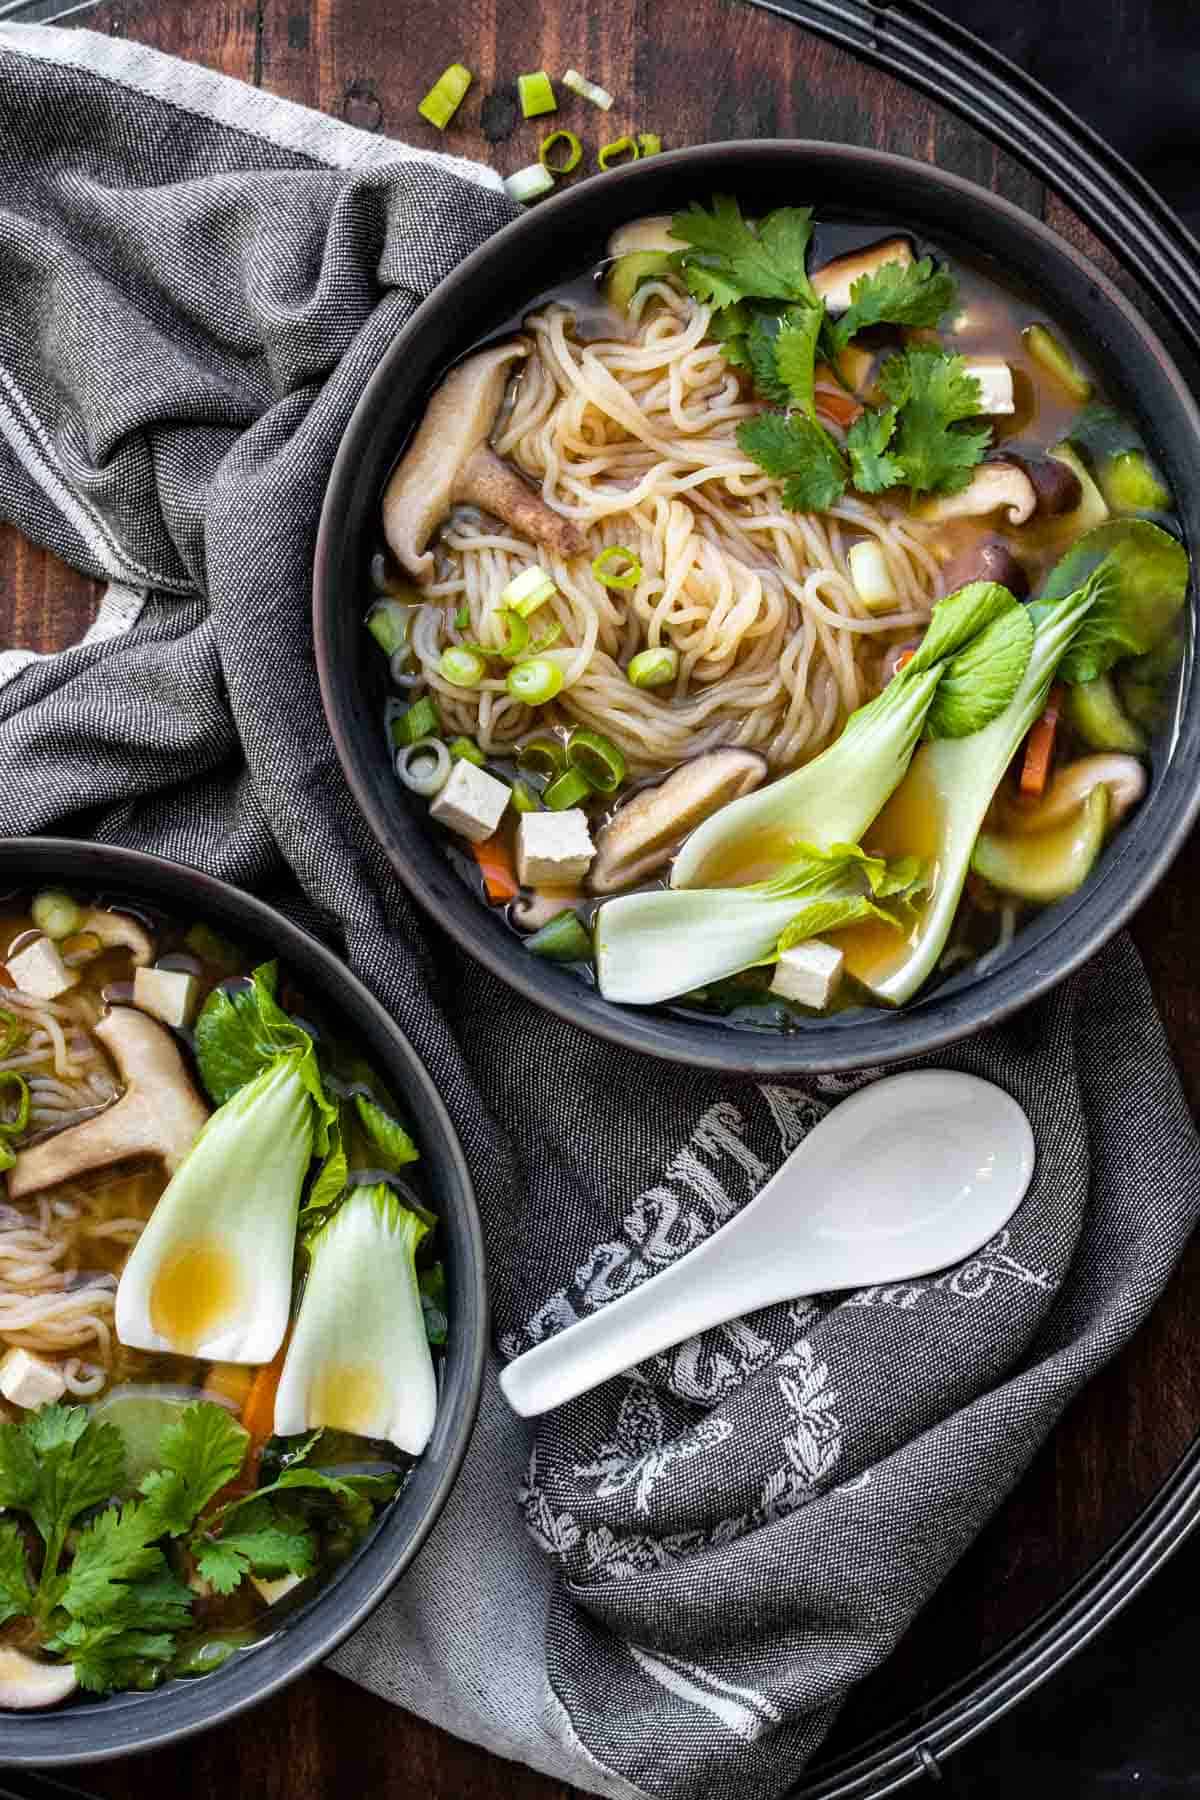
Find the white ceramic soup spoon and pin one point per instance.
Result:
(905, 1177)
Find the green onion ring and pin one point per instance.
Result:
(534, 681)
(568, 790)
(574, 154)
(461, 667)
(597, 758)
(542, 755)
(624, 148)
(616, 553)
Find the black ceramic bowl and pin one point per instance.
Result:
(93, 1730)
(561, 237)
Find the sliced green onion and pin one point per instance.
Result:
(465, 749)
(529, 184)
(424, 767)
(523, 798)
(446, 95)
(621, 150)
(579, 84)
(16, 1125)
(388, 623)
(462, 617)
(526, 591)
(461, 667)
(543, 755)
(597, 758)
(544, 639)
(564, 939)
(536, 94)
(572, 158)
(516, 635)
(56, 913)
(420, 720)
(653, 668)
(567, 790)
(534, 681)
(606, 568)
(649, 143)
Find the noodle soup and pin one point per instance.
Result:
(220, 1298)
(720, 568)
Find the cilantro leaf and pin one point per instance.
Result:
(263, 1545)
(116, 1549)
(795, 355)
(200, 1453)
(759, 348)
(15, 1596)
(728, 260)
(915, 294)
(107, 1656)
(933, 393)
(798, 452)
(729, 329)
(54, 1465)
(867, 440)
(981, 679)
(386, 1134)
(244, 1031)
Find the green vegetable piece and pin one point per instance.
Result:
(867, 440)
(420, 720)
(524, 799)
(543, 755)
(649, 143)
(1051, 354)
(621, 150)
(199, 1453)
(387, 1136)
(914, 294)
(556, 163)
(56, 913)
(1143, 588)
(981, 680)
(446, 95)
(628, 272)
(565, 939)
(390, 623)
(20, 1101)
(801, 454)
(536, 94)
(1130, 484)
(203, 1656)
(1095, 713)
(617, 567)
(534, 682)
(567, 790)
(141, 1414)
(1045, 866)
(1101, 432)
(728, 260)
(1146, 682)
(461, 667)
(1092, 510)
(934, 395)
(656, 667)
(597, 758)
(264, 1543)
(465, 749)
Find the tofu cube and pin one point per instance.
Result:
(471, 803)
(40, 970)
(272, 1591)
(810, 973)
(554, 849)
(168, 994)
(28, 1380)
(995, 386)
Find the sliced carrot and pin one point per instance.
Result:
(258, 1413)
(496, 866)
(837, 406)
(1039, 748)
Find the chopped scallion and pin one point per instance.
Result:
(529, 184)
(528, 590)
(420, 720)
(649, 143)
(465, 749)
(542, 755)
(653, 668)
(571, 157)
(564, 939)
(388, 623)
(534, 681)
(461, 667)
(621, 150)
(579, 84)
(523, 798)
(424, 767)
(462, 617)
(446, 95)
(516, 634)
(607, 567)
(536, 94)
(597, 758)
(544, 639)
(567, 790)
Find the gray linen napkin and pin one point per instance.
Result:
(195, 282)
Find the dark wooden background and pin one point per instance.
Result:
(712, 69)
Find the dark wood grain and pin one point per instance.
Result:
(718, 69)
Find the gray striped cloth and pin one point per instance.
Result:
(668, 1587)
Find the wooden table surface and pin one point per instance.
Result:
(715, 70)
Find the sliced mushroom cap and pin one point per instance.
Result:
(988, 560)
(992, 486)
(159, 1114)
(27, 1684)
(641, 837)
(1058, 487)
(834, 282)
(450, 461)
(118, 929)
(1124, 777)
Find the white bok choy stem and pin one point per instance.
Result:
(359, 1359)
(211, 1275)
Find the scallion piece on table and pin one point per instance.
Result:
(649, 143)
(424, 767)
(529, 184)
(536, 94)
(653, 668)
(607, 567)
(420, 720)
(579, 84)
(528, 590)
(465, 749)
(524, 799)
(567, 790)
(621, 150)
(446, 95)
(542, 755)
(570, 158)
(564, 939)
(461, 667)
(534, 681)
(597, 758)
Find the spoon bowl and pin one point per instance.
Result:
(905, 1177)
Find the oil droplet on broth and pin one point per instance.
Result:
(198, 1291)
(348, 1397)
(909, 825)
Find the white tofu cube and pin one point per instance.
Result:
(28, 1380)
(272, 1591)
(40, 970)
(810, 973)
(554, 849)
(169, 994)
(471, 803)
(995, 386)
